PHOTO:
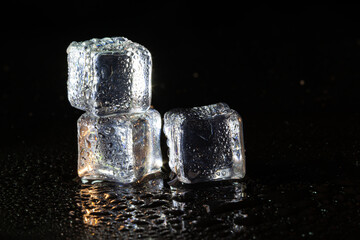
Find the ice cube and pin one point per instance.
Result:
(121, 147)
(205, 143)
(109, 75)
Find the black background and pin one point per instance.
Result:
(258, 59)
(291, 71)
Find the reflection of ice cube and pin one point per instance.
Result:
(109, 75)
(106, 203)
(121, 147)
(210, 197)
(205, 143)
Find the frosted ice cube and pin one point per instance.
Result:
(109, 75)
(121, 147)
(205, 143)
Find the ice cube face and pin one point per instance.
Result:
(205, 143)
(109, 75)
(121, 147)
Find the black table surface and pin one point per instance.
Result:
(302, 182)
(292, 74)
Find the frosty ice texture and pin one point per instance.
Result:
(121, 147)
(205, 143)
(109, 75)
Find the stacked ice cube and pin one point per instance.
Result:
(119, 135)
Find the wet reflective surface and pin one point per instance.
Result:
(154, 210)
(223, 210)
(298, 186)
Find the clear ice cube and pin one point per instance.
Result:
(109, 75)
(121, 147)
(205, 143)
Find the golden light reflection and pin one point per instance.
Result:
(91, 221)
(91, 207)
(84, 130)
(83, 170)
(108, 203)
